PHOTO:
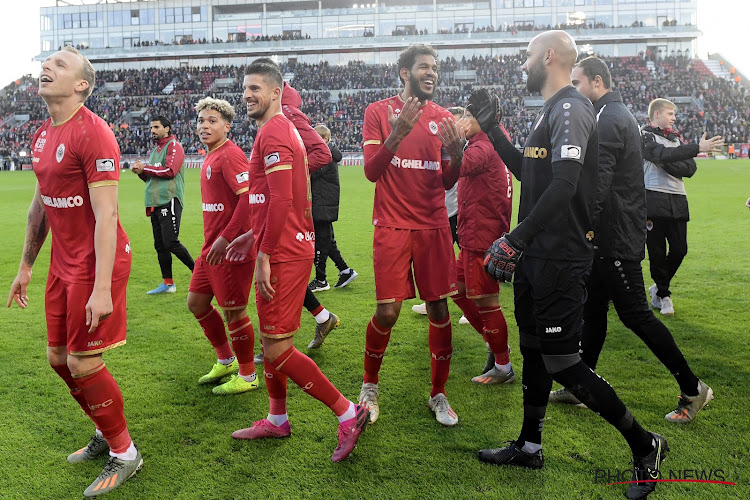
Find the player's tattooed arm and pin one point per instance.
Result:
(36, 232)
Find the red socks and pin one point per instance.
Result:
(376, 341)
(243, 341)
(317, 310)
(441, 350)
(276, 385)
(471, 311)
(305, 373)
(496, 333)
(213, 327)
(64, 372)
(106, 405)
(168, 281)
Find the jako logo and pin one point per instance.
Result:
(213, 207)
(95, 343)
(553, 329)
(69, 202)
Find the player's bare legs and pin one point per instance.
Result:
(242, 336)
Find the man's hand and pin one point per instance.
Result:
(747, 204)
(402, 124)
(263, 276)
(485, 107)
(453, 138)
(217, 252)
(240, 247)
(98, 308)
(18, 288)
(708, 145)
(501, 258)
(137, 167)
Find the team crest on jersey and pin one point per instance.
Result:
(433, 127)
(272, 159)
(208, 172)
(60, 153)
(44, 132)
(566, 105)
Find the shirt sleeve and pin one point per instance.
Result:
(172, 163)
(99, 155)
(318, 154)
(377, 156)
(235, 170)
(571, 125)
(277, 157)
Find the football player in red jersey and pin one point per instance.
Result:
(77, 164)
(485, 195)
(281, 219)
(404, 157)
(224, 193)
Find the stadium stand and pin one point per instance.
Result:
(338, 96)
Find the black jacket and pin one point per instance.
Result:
(619, 217)
(326, 189)
(673, 158)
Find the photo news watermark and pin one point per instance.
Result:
(609, 477)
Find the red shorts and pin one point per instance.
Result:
(428, 251)
(65, 308)
(470, 271)
(280, 317)
(229, 283)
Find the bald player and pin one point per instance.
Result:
(551, 252)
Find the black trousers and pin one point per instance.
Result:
(664, 265)
(454, 228)
(325, 247)
(621, 281)
(165, 223)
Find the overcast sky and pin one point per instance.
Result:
(723, 23)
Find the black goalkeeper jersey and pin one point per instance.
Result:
(565, 130)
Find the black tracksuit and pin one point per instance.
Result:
(326, 191)
(620, 228)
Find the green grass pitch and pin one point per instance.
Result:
(184, 431)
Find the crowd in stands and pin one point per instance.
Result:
(338, 96)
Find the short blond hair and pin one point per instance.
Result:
(87, 71)
(225, 109)
(323, 131)
(659, 105)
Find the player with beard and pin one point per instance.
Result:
(550, 251)
(412, 237)
(76, 161)
(318, 156)
(281, 220)
(165, 198)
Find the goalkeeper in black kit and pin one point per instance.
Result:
(549, 254)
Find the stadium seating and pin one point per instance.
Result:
(338, 96)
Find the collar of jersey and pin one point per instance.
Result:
(68, 118)
(217, 147)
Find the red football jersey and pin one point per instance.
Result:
(69, 159)
(410, 194)
(224, 176)
(278, 147)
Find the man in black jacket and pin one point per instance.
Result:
(619, 222)
(549, 255)
(326, 191)
(666, 161)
